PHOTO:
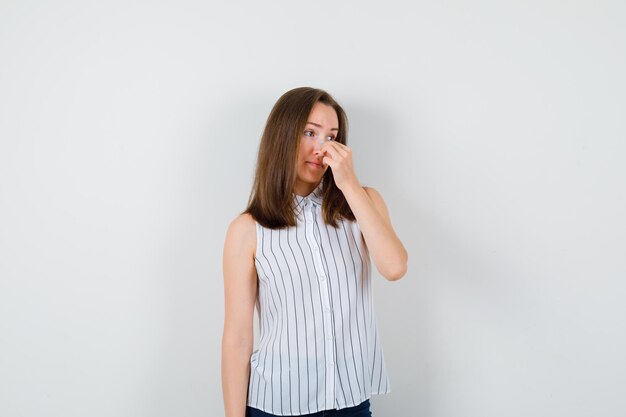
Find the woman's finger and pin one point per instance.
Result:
(340, 146)
(328, 161)
(334, 154)
(338, 150)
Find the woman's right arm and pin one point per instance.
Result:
(240, 287)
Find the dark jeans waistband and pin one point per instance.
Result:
(361, 410)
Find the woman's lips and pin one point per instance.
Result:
(314, 164)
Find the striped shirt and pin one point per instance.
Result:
(319, 347)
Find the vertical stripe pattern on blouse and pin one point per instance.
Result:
(319, 347)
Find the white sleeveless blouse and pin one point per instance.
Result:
(319, 347)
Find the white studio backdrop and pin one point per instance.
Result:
(494, 131)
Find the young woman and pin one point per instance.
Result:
(300, 253)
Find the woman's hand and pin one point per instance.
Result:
(339, 157)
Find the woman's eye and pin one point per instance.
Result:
(311, 134)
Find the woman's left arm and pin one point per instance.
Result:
(388, 253)
(370, 212)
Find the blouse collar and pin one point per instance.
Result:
(315, 197)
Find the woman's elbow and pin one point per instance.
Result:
(398, 269)
(396, 274)
(237, 336)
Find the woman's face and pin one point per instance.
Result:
(321, 124)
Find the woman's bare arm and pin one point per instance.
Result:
(370, 210)
(240, 289)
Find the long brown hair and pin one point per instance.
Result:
(271, 199)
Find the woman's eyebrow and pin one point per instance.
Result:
(315, 124)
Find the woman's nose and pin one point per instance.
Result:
(318, 146)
